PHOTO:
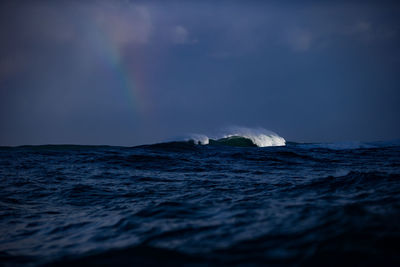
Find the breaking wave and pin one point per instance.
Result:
(234, 136)
(240, 136)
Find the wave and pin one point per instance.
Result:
(240, 136)
(233, 136)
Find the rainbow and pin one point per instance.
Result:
(130, 77)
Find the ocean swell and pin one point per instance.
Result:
(240, 136)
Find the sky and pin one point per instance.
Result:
(138, 72)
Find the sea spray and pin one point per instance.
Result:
(199, 139)
(258, 137)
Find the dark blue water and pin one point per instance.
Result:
(182, 204)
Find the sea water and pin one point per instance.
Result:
(180, 203)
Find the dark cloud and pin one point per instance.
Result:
(131, 72)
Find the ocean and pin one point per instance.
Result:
(227, 202)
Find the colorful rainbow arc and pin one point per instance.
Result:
(127, 80)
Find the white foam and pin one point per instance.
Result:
(260, 137)
(199, 139)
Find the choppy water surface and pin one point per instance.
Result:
(186, 204)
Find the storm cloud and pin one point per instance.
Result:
(128, 73)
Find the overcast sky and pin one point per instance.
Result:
(128, 72)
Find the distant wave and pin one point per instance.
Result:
(233, 136)
(240, 136)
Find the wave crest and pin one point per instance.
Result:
(259, 136)
(237, 136)
(200, 139)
